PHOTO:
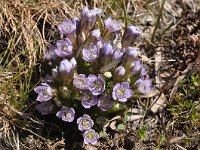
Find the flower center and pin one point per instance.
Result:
(104, 102)
(89, 99)
(142, 87)
(96, 85)
(68, 27)
(121, 92)
(81, 83)
(90, 135)
(67, 114)
(85, 122)
(44, 92)
(65, 48)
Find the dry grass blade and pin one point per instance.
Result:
(24, 30)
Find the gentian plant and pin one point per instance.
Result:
(93, 68)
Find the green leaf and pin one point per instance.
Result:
(162, 139)
(116, 107)
(142, 133)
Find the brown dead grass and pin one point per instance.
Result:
(22, 19)
(24, 36)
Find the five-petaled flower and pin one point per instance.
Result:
(130, 35)
(67, 27)
(122, 91)
(80, 82)
(90, 137)
(90, 54)
(44, 92)
(50, 53)
(85, 123)
(66, 68)
(144, 85)
(64, 48)
(66, 114)
(88, 100)
(105, 102)
(96, 84)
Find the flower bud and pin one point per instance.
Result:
(88, 18)
(107, 49)
(107, 74)
(119, 73)
(118, 54)
(96, 33)
(65, 70)
(130, 35)
(50, 54)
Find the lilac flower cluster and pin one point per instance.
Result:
(95, 65)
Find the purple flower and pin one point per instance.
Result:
(66, 114)
(144, 86)
(50, 54)
(120, 71)
(67, 27)
(96, 33)
(132, 53)
(107, 49)
(130, 35)
(105, 102)
(118, 54)
(119, 74)
(76, 22)
(65, 71)
(96, 84)
(88, 100)
(80, 82)
(143, 70)
(67, 67)
(88, 17)
(99, 43)
(64, 48)
(73, 62)
(122, 91)
(85, 123)
(44, 92)
(137, 66)
(90, 137)
(134, 31)
(45, 107)
(112, 25)
(91, 53)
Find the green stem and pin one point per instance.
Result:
(157, 22)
